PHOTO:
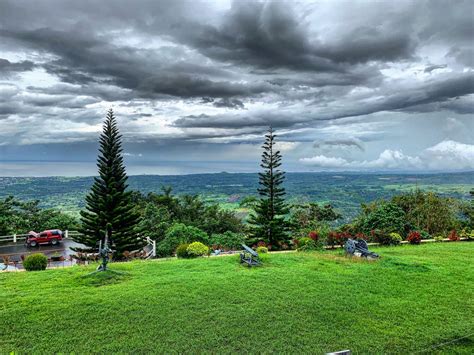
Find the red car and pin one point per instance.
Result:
(53, 237)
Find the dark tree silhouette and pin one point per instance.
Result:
(108, 201)
(268, 222)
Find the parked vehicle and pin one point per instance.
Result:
(53, 237)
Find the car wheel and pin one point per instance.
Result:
(33, 244)
(54, 241)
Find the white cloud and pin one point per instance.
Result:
(450, 155)
(446, 155)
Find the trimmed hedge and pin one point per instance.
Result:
(35, 262)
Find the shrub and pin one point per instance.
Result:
(425, 235)
(35, 262)
(453, 236)
(384, 238)
(307, 244)
(414, 237)
(182, 251)
(395, 238)
(465, 234)
(227, 240)
(337, 238)
(262, 250)
(438, 238)
(177, 234)
(314, 235)
(196, 249)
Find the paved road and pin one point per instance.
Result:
(15, 250)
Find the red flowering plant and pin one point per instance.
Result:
(361, 236)
(314, 235)
(337, 238)
(453, 236)
(414, 237)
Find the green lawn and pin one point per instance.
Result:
(414, 298)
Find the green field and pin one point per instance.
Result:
(413, 299)
(345, 191)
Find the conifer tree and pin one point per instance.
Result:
(108, 201)
(268, 222)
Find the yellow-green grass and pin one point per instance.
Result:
(413, 299)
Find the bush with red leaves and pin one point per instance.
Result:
(414, 237)
(337, 238)
(313, 235)
(453, 236)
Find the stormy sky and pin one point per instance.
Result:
(347, 85)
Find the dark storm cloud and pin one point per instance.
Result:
(229, 103)
(7, 67)
(235, 121)
(270, 35)
(181, 71)
(86, 58)
(430, 68)
(340, 143)
(433, 92)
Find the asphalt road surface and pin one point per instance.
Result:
(16, 250)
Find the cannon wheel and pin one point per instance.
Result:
(350, 246)
(362, 244)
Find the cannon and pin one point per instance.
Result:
(249, 256)
(359, 246)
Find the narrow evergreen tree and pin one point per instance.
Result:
(268, 222)
(108, 201)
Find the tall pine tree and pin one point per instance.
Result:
(269, 223)
(108, 201)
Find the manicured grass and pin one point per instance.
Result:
(412, 299)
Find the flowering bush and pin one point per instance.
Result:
(197, 249)
(337, 238)
(361, 236)
(438, 238)
(414, 237)
(313, 235)
(262, 250)
(453, 236)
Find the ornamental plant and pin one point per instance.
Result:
(197, 249)
(35, 262)
(384, 238)
(182, 251)
(337, 238)
(314, 235)
(227, 240)
(453, 236)
(414, 237)
(262, 250)
(438, 238)
(307, 244)
(395, 238)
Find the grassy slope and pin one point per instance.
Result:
(414, 298)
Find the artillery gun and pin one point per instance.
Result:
(359, 247)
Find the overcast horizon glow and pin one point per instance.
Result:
(347, 85)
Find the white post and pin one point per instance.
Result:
(66, 234)
(154, 249)
(14, 238)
